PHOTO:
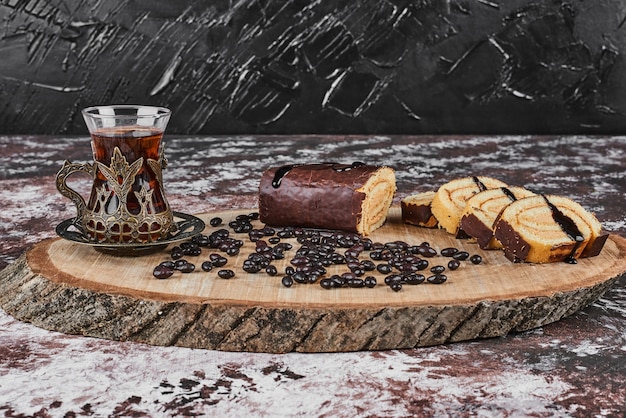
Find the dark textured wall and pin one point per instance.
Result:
(325, 66)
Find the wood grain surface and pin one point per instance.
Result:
(72, 288)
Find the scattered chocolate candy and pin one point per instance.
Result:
(396, 286)
(437, 279)
(355, 282)
(180, 263)
(392, 278)
(422, 264)
(326, 283)
(449, 252)
(427, 251)
(370, 281)
(437, 269)
(454, 264)
(287, 281)
(218, 260)
(318, 250)
(190, 249)
(176, 253)
(226, 274)
(168, 263)
(201, 240)
(461, 255)
(186, 267)
(413, 278)
(384, 268)
(162, 271)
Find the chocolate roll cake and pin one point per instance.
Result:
(543, 229)
(351, 197)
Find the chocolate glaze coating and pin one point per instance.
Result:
(420, 215)
(597, 245)
(474, 227)
(314, 195)
(515, 248)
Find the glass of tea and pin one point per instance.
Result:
(127, 202)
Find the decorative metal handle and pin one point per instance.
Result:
(68, 169)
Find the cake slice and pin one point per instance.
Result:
(450, 200)
(543, 229)
(416, 210)
(598, 235)
(482, 210)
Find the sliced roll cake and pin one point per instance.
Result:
(544, 229)
(416, 210)
(450, 200)
(482, 210)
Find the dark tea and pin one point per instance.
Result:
(144, 196)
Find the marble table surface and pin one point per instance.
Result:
(574, 367)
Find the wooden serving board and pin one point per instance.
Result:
(71, 288)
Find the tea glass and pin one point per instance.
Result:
(127, 203)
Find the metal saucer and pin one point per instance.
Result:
(187, 227)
